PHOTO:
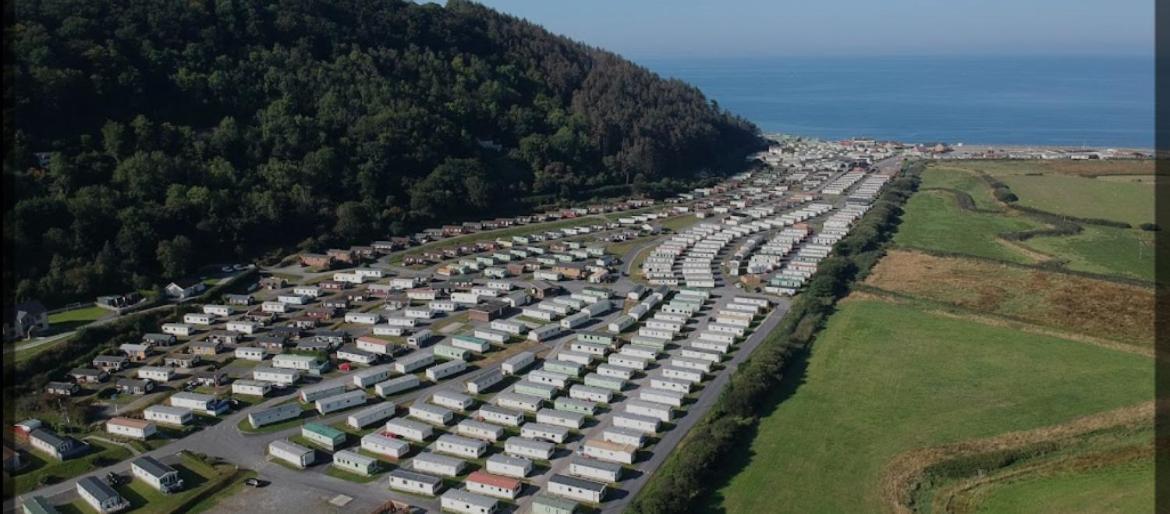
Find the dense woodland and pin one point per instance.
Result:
(143, 139)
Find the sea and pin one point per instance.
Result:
(1088, 101)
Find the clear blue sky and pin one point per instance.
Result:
(714, 28)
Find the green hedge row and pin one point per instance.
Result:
(690, 471)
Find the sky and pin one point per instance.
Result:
(766, 28)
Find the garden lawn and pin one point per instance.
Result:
(884, 378)
(934, 221)
(71, 319)
(41, 465)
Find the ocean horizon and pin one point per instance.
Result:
(1094, 101)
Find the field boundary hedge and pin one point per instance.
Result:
(689, 472)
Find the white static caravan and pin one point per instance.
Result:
(251, 387)
(628, 361)
(417, 483)
(368, 377)
(485, 381)
(414, 362)
(431, 413)
(261, 417)
(321, 390)
(621, 435)
(465, 298)
(519, 401)
(717, 337)
(500, 415)
(529, 448)
(156, 373)
(443, 305)
(409, 429)
(644, 424)
(609, 370)
(545, 332)
(667, 384)
(557, 380)
(460, 446)
(363, 318)
(701, 355)
(711, 346)
(370, 415)
(446, 369)
(168, 415)
(217, 310)
(291, 453)
(663, 396)
(589, 393)
(508, 327)
(611, 452)
(535, 312)
(640, 351)
(420, 338)
(695, 364)
(354, 462)
(467, 502)
(517, 363)
(573, 321)
(382, 444)
(293, 299)
(251, 353)
(594, 469)
(492, 335)
(691, 375)
(479, 430)
(198, 318)
(515, 467)
(178, 329)
(560, 418)
(274, 307)
(590, 348)
(470, 343)
(576, 488)
(544, 432)
(396, 385)
(340, 402)
(452, 400)
(605, 382)
(243, 327)
(654, 410)
(400, 322)
(276, 375)
(441, 465)
(583, 359)
(620, 324)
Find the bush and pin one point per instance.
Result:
(1150, 227)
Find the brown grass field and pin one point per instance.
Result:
(1069, 303)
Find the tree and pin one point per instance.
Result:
(176, 256)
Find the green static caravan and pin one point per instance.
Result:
(471, 343)
(604, 382)
(566, 403)
(448, 352)
(547, 504)
(687, 292)
(657, 343)
(354, 462)
(324, 436)
(543, 391)
(572, 369)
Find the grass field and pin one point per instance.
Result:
(69, 320)
(885, 378)
(933, 221)
(1066, 303)
(1088, 168)
(1084, 197)
(1104, 250)
(962, 179)
(42, 466)
(1121, 489)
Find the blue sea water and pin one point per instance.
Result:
(1101, 101)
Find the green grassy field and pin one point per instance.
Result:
(1121, 489)
(962, 179)
(1104, 250)
(1083, 197)
(42, 466)
(69, 320)
(886, 378)
(933, 221)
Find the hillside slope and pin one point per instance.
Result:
(146, 138)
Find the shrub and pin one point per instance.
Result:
(1150, 227)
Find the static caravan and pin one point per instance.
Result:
(354, 462)
(524, 402)
(594, 469)
(323, 390)
(250, 353)
(545, 332)
(583, 359)
(470, 343)
(644, 424)
(452, 400)
(414, 362)
(368, 377)
(663, 396)
(517, 363)
(611, 452)
(557, 380)
(341, 401)
(508, 327)
(409, 429)
(441, 465)
(667, 384)
(644, 408)
(168, 415)
(460, 446)
(562, 367)
(529, 448)
(605, 382)
(382, 444)
(363, 318)
(544, 432)
(599, 349)
(198, 402)
(198, 318)
(431, 413)
(417, 483)
(628, 361)
(623, 435)
(251, 387)
(711, 346)
(485, 381)
(420, 338)
(396, 385)
(561, 418)
(640, 351)
(575, 405)
(370, 415)
(497, 486)
(466, 502)
(515, 467)
(620, 324)
(479, 430)
(276, 375)
(590, 394)
(446, 369)
(691, 375)
(487, 334)
(321, 435)
(609, 370)
(274, 307)
(178, 329)
(500, 415)
(695, 364)
(448, 352)
(576, 488)
(701, 355)
(291, 453)
(543, 391)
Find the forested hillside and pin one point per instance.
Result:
(145, 138)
